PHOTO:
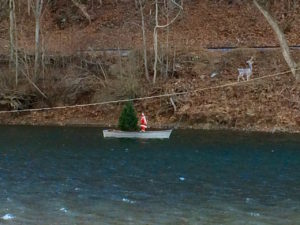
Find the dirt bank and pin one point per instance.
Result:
(269, 104)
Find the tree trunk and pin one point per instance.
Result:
(167, 47)
(16, 45)
(38, 11)
(137, 3)
(282, 40)
(37, 47)
(13, 39)
(28, 6)
(11, 32)
(144, 41)
(155, 42)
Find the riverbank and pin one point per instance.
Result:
(102, 117)
(212, 99)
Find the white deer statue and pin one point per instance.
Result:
(246, 71)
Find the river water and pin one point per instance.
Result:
(55, 175)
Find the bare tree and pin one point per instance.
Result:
(13, 38)
(166, 4)
(155, 33)
(11, 30)
(281, 38)
(37, 12)
(144, 40)
(16, 48)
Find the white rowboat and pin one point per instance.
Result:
(160, 134)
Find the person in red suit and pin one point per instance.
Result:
(143, 123)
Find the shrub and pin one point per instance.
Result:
(128, 120)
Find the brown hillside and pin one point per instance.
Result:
(204, 23)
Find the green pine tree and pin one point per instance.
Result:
(128, 120)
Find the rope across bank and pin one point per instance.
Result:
(148, 97)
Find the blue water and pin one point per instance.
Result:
(73, 176)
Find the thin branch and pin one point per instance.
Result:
(174, 19)
(34, 85)
(82, 9)
(173, 104)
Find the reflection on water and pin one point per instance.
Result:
(73, 176)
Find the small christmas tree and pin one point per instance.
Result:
(128, 120)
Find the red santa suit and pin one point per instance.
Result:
(143, 123)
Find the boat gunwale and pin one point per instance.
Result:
(137, 134)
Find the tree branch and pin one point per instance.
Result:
(82, 9)
(281, 38)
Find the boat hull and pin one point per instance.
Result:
(162, 134)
